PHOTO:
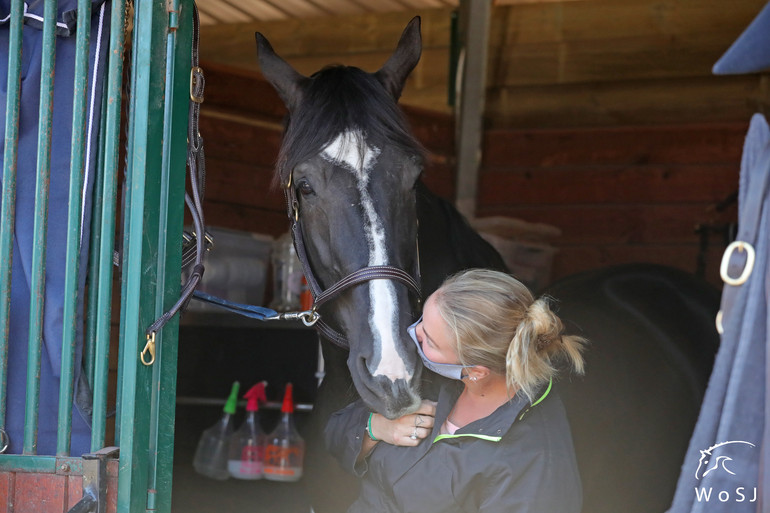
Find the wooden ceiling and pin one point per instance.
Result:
(214, 12)
(247, 11)
(551, 63)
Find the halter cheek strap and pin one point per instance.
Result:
(365, 274)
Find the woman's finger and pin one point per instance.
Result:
(424, 421)
(427, 408)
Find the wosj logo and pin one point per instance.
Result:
(717, 459)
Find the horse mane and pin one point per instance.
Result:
(339, 98)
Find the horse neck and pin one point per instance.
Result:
(448, 242)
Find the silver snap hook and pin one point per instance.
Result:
(5, 440)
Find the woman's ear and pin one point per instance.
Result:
(477, 373)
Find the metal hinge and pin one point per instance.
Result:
(95, 482)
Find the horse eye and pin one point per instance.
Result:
(304, 187)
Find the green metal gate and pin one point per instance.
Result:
(158, 78)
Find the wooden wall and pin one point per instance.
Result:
(608, 63)
(365, 41)
(602, 119)
(550, 64)
(619, 195)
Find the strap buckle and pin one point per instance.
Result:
(196, 84)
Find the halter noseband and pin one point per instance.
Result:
(365, 274)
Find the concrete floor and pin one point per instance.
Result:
(194, 493)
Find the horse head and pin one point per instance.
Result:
(351, 165)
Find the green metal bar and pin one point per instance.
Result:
(144, 248)
(89, 345)
(104, 285)
(178, 48)
(41, 464)
(158, 368)
(123, 283)
(72, 265)
(7, 216)
(28, 463)
(37, 282)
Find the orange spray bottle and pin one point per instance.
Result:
(285, 449)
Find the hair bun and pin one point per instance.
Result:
(543, 341)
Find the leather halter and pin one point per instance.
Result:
(365, 274)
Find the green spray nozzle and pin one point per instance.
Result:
(254, 395)
(232, 400)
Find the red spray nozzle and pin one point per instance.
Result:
(254, 395)
(288, 400)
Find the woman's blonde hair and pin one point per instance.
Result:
(497, 323)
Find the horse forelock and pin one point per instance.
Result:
(341, 99)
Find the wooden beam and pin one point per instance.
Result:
(476, 14)
(518, 2)
(633, 102)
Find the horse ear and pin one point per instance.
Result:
(393, 74)
(285, 79)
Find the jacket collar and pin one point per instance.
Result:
(492, 427)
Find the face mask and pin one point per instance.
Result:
(448, 370)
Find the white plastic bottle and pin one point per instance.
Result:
(285, 449)
(211, 454)
(247, 444)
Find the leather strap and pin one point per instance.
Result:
(196, 161)
(365, 274)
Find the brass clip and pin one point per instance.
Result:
(149, 347)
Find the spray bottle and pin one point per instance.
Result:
(247, 445)
(211, 455)
(285, 449)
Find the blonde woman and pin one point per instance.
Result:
(498, 439)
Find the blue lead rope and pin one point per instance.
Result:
(261, 313)
(253, 311)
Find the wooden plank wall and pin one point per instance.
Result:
(601, 63)
(619, 195)
(603, 119)
(365, 41)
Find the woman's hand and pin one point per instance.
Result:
(408, 430)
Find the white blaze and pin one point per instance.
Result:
(350, 150)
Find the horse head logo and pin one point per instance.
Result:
(709, 462)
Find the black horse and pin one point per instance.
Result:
(353, 169)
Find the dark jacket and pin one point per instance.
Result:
(519, 459)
